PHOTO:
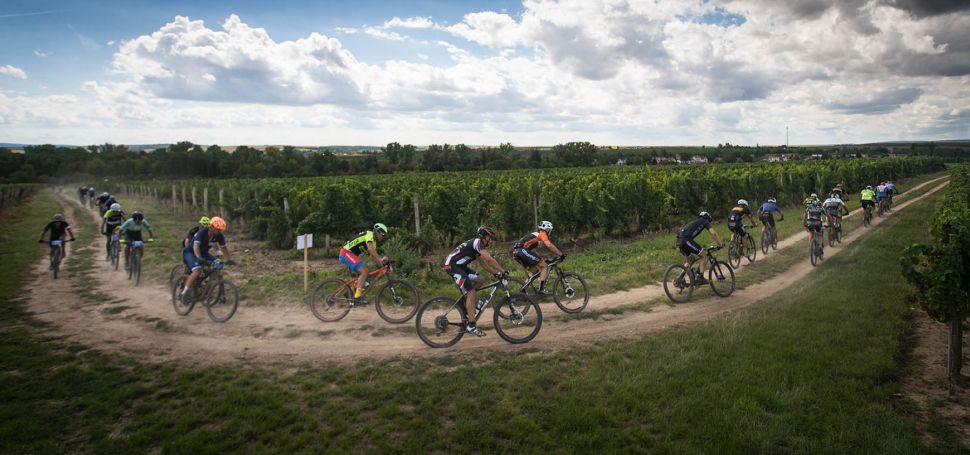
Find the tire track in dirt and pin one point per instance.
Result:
(140, 321)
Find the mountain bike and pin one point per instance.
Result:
(133, 262)
(56, 255)
(218, 294)
(680, 280)
(113, 250)
(569, 290)
(742, 246)
(769, 237)
(867, 215)
(396, 302)
(441, 321)
(883, 206)
(834, 229)
(815, 246)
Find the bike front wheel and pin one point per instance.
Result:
(114, 256)
(180, 308)
(56, 262)
(222, 301)
(734, 253)
(520, 318)
(136, 267)
(570, 293)
(774, 239)
(173, 276)
(721, 276)
(678, 283)
(397, 301)
(440, 322)
(330, 300)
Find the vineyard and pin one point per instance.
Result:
(443, 207)
(15, 193)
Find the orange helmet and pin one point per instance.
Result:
(217, 223)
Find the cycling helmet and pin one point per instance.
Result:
(105, 194)
(137, 216)
(706, 216)
(58, 217)
(545, 226)
(204, 221)
(772, 200)
(217, 223)
(380, 227)
(115, 207)
(742, 202)
(485, 231)
(813, 196)
(868, 187)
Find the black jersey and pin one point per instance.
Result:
(465, 253)
(737, 213)
(691, 230)
(57, 228)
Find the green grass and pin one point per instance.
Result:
(813, 369)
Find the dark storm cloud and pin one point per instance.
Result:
(925, 8)
(879, 103)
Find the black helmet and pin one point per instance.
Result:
(706, 216)
(485, 231)
(58, 217)
(137, 216)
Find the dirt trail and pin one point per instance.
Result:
(140, 321)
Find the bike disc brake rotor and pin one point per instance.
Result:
(569, 291)
(441, 323)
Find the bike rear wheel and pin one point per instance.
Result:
(440, 323)
(831, 236)
(570, 292)
(765, 241)
(56, 261)
(721, 276)
(330, 300)
(678, 283)
(751, 251)
(813, 247)
(181, 309)
(222, 300)
(397, 301)
(521, 320)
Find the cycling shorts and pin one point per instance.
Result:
(814, 225)
(464, 277)
(688, 247)
(193, 261)
(768, 218)
(132, 236)
(737, 228)
(352, 260)
(866, 203)
(526, 257)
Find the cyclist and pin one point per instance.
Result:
(102, 200)
(132, 228)
(58, 227)
(868, 198)
(813, 220)
(456, 266)
(82, 192)
(198, 252)
(203, 223)
(890, 190)
(735, 223)
(839, 191)
(767, 213)
(522, 252)
(91, 195)
(687, 245)
(112, 218)
(834, 209)
(812, 198)
(882, 194)
(351, 252)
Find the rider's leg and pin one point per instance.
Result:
(543, 273)
(361, 279)
(471, 299)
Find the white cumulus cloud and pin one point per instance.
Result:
(13, 71)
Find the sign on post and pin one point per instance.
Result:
(305, 242)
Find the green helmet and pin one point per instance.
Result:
(380, 227)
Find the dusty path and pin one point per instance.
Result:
(141, 322)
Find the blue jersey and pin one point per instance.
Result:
(769, 207)
(202, 239)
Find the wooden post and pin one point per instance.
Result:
(174, 200)
(222, 208)
(183, 199)
(417, 216)
(205, 201)
(326, 244)
(195, 204)
(306, 264)
(242, 219)
(286, 207)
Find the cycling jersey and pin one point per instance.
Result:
(57, 228)
(112, 219)
(358, 244)
(815, 213)
(192, 232)
(465, 253)
(691, 230)
(130, 226)
(202, 239)
(769, 207)
(832, 205)
(532, 240)
(868, 195)
(881, 192)
(734, 218)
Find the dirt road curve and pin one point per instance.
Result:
(141, 322)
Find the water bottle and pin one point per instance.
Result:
(481, 303)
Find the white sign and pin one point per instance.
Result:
(309, 241)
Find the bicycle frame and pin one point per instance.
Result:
(491, 296)
(553, 266)
(372, 278)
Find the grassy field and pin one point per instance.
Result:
(267, 276)
(812, 369)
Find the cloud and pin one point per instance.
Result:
(40, 54)
(13, 72)
(411, 22)
(878, 103)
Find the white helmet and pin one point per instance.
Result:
(772, 200)
(545, 226)
(115, 207)
(742, 202)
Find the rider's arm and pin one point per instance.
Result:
(47, 227)
(196, 249)
(551, 247)
(490, 264)
(69, 231)
(751, 217)
(714, 234)
(225, 252)
(373, 253)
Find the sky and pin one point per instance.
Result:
(533, 72)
